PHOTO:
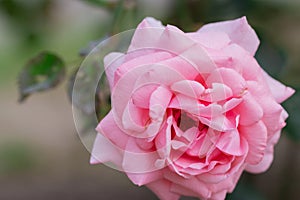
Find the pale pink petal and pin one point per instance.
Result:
(218, 195)
(218, 92)
(272, 117)
(111, 131)
(110, 142)
(230, 78)
(111, 62)
(156, 73)
(267, 160)
(137, 160)
(134, 78)
(221, 168)
(279, 91)
(185, 103)
(219, 123)
(198, 57)
(214, 40)
(235, 57)
(256, 136)
(191, 183)
(145, 178)
(231, 143)
(163, 139)
(104, 151)
(138, 60)
(174, 40)
(230, 182)
(182, 66)
(238, 30)
(159, 102)
(232, 103)
(189, 88)
(249, 110)
(141, 95)
(162, 188)
(134, 118)
(149, 28)
(183, 190)
(209, 178)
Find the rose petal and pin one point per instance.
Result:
(189, 88)
(104, 151)
(279, 91)
(232, 103)
(149, 28)
(266, 162)
(134, 118)
(162, 188)
(256, 136)
(249, 110)
(111, 62)
(183, 190)
(191, 183)
(211, 39)
(198, 57)
(238, 30)
(228, 77)
(109, 128)
(174, 40)
(137, 160)
(145, 178)
(138, 60)
(141, 95)
(218, 92)
(240, 60)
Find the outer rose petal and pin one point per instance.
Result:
(111, 62)
(149, 28)
(249, 110)
(214, 40)
(137, 59)
(104, 151)
(110, 143)
(238, 30)
(256, 136)
(266, 162)
(162, 189)
(145, 178)
(111, 130)
(192, 184)
(279, 91)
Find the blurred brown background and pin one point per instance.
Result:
(41, 155)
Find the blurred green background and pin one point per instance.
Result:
(41, 156)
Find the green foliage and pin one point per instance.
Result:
(43, 72)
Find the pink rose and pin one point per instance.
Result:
(190, 111)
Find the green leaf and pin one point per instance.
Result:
(43, 72)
